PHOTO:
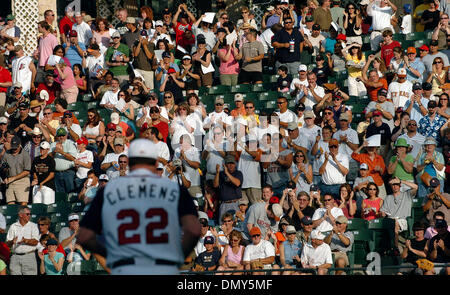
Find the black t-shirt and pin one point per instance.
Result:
(43, 167)
(322, 74)
(384, 130)
(208, 259)
(122, 28)
(295, 220)
(228, 191)
(434, 15)
(420, 246)
(441, 257)
(30, 122)
(175, 89)
(283, 55)
(131, 38)
(93, 218)
(284, 82)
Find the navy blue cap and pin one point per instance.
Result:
(208, 240)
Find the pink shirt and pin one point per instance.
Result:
(102, 38)
(46, 46)
(236, 258)
(231, 66)
(69, 81)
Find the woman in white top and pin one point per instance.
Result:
(169, 107)
(398, 60)
(94, 126)
(196, 106)
(183, 123)
(265, 126)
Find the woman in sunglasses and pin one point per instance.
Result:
(94, 125)
(232, 254)
(438, 75)
(443, 106)
(371, 206)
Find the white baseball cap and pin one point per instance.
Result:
(277, 210)
(202, 214)
(316, 234)
(37, 131)
(142, 148)
(238, 97)
(103, 177)
(45, 145)
(3, 120)
(73, 216)
(364, 166)
(302, 68)
(401, 72)
(159, 23)
(115, 118)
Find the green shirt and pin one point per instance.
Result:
(118, 70)
(400, 171)
(2, 265)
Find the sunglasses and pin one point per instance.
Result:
(121, 95)
(123, 162)
(286, 23)
(167, 96)
(227, 221)
(333, 147)
(42, 224)
(153, 98)
(300, 156)
(328, 113)
(115, 37)
(27, 214)
(219, 104)
(3, 124)
(327, 200)
(412, 124)
(23, 109)
(249, 108)
(280, 102)
(437, 62)
(397, 183)
(255, 236)
(235, 240)
(45, 114)
(154, 112)
(372, 189)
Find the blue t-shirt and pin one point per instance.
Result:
(290, 250)
(72, 53)
(329, 45)
(49, 267)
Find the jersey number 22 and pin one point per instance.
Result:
(135, 222)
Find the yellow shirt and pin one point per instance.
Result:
(355, 72)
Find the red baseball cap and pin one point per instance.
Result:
(171, 71)
(377, 113)
(111, 126)
(73, 33)
(82, 140)
(341, 37)
(274, 200)
(424, 47)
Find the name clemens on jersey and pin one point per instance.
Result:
(139, 191)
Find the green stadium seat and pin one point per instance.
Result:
(416, 36)
(92, 105)
(59, 225)
(251, 96)
(273, 78)
(73, 197)
(417, 202)
(60, 197)
(10, 209)
(87, 97)
(3, 237)
(356, 224)
(227, 98)
(219, 89)
(81, 214)
(88, 267)
(270, 95)
(11, 218)
(271, 104)
(82, 121)
(376, 224)
(38, 208)
(77, 207)
(76, 106)
(59, 217)
(358, 117)
(363, 244)
(241, 88)
(291, 104)
(203, 90)
(61, 207)
(35, 216)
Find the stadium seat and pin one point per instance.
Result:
(363, 243)
(11, 218)
(219, 89)
(77, 207)
(92, 105)
(60, 197)
(356, 224)
(59, 225)
(416, 36)
(73, 197)
(263, 87)
(270, 95)
(87, 97)
(76, 106)
(241, 88)
(88, 267)
(59, 217)
(3, 237)
(61, 207)
(251, 96)
(10, 209)
(38, 208)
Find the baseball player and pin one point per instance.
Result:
(149, 223)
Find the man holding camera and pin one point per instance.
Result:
(143, 52)
(117, 57)
(436, 201)
(75, 50)
(16, 166)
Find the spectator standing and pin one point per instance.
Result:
(117, 57)
(10, 30)
(251, 55)
(64, 152)
(430, 125)
(430, 17)
(43, 174)
(185, 23)
(381, 14)
(22, 238)
(436, 203)
(355, 62)
(289, 46)
(74, 49)
(122, 15)
(333, 169)
(24, 124)
(229, 66)
(351, 22)
(66, 23)
(69, 89)
(47, 42)
(83, 162)
(372, 205)
(322, 16)
(23, 70)
(130, 37)
(414, 66)
(83, 29)
(143, 52)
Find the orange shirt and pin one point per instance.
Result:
(378, 161)
(373, 92)
(280, 240)
(236, 112)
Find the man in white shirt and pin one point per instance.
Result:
(159, 34)
(297, 84)
(406, 26)
(215, 150)
(218, 116)
(317, 255)
(260, 254)
(111, 161)
(309, 131)
(413, 138)
(334, 168)
(348, 143)
(162, 147)
(401, 90)
(313, 93)
(285, 115)
(83, 29)
(385, 107)
(266, 37)
(381, 19)
(74, 130)
(250, 167)
(325, 218)
(110, 98)
(23, 70)
(416, 107)
(22, 239)
(95, 59)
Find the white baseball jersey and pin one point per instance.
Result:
(399, 93)
(139, 215)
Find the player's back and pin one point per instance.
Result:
(140, 217)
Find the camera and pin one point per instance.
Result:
(177, 164)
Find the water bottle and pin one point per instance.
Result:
(291, 46)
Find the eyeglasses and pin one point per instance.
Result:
(46, 114)
(351, 8)
(36, 136)
(287, 23)
(303, 200)
(121, 95)
(227, 221)
(152, 98)
(244, 12)
(444, 17)
(327, 200)
(115, 37)
(123, 162)
(280, 102)
(328, 113)
(223, 17)
(168, 96)
(154, 112)
(3, 124)
(235, 240)
(219, 104)
(333, 147)
(249, 108)
(23, 109)
(300, 156)
(372, 189)
(412, 124)
(42, 224)
(27, 214)
(396, 183)
(255, 236)
(437, 62)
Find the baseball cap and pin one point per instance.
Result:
(418, 226)
(229, 159)
(3, 120)
(364, 166)
(277, 211)
(434, 43)
(382, 92)
(434, 182)
(432, 104)
(306, 220)
(111, 126)
(82, 140)
(221, 30)
(17, 85)
(316, 234)
(171, 71)
(341, 37)
(302, 68)
(292, 126)
(87, 18)
(313, 188)
(440, 223)
(93, 46)
(364, 2)
(130, 20)
(377, 113)
(255, 231)
(407, 8)
(218, 100)
(429, 140)
(417, 86)
(202, 215)
(73, 33)
(118, 128)
(10, 17)
(316, 27)
(15, 142)
(290, 229)
(344, 117)
(73, 216)
(61, 132)
(24, 104)
(399, 110)
(270, 8)
(68, 113)
(159, 23)
(118, 141)
(308, 114)
(165, 54)
(116, 34)
(342, 219)
(424, 48)
(284, 221)
(426, 86)
(238, 97)
(201, 39)
(274, 200)
(401, 72)
(115, 118)
(142, 148)
(243, 202)
(36, 131)
(208, 240)
(309, 18)
(52, 242)
(187, 56)
(333, 141)
(401, 142)
(411, 50)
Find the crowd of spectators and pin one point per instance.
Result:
(275, 187)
